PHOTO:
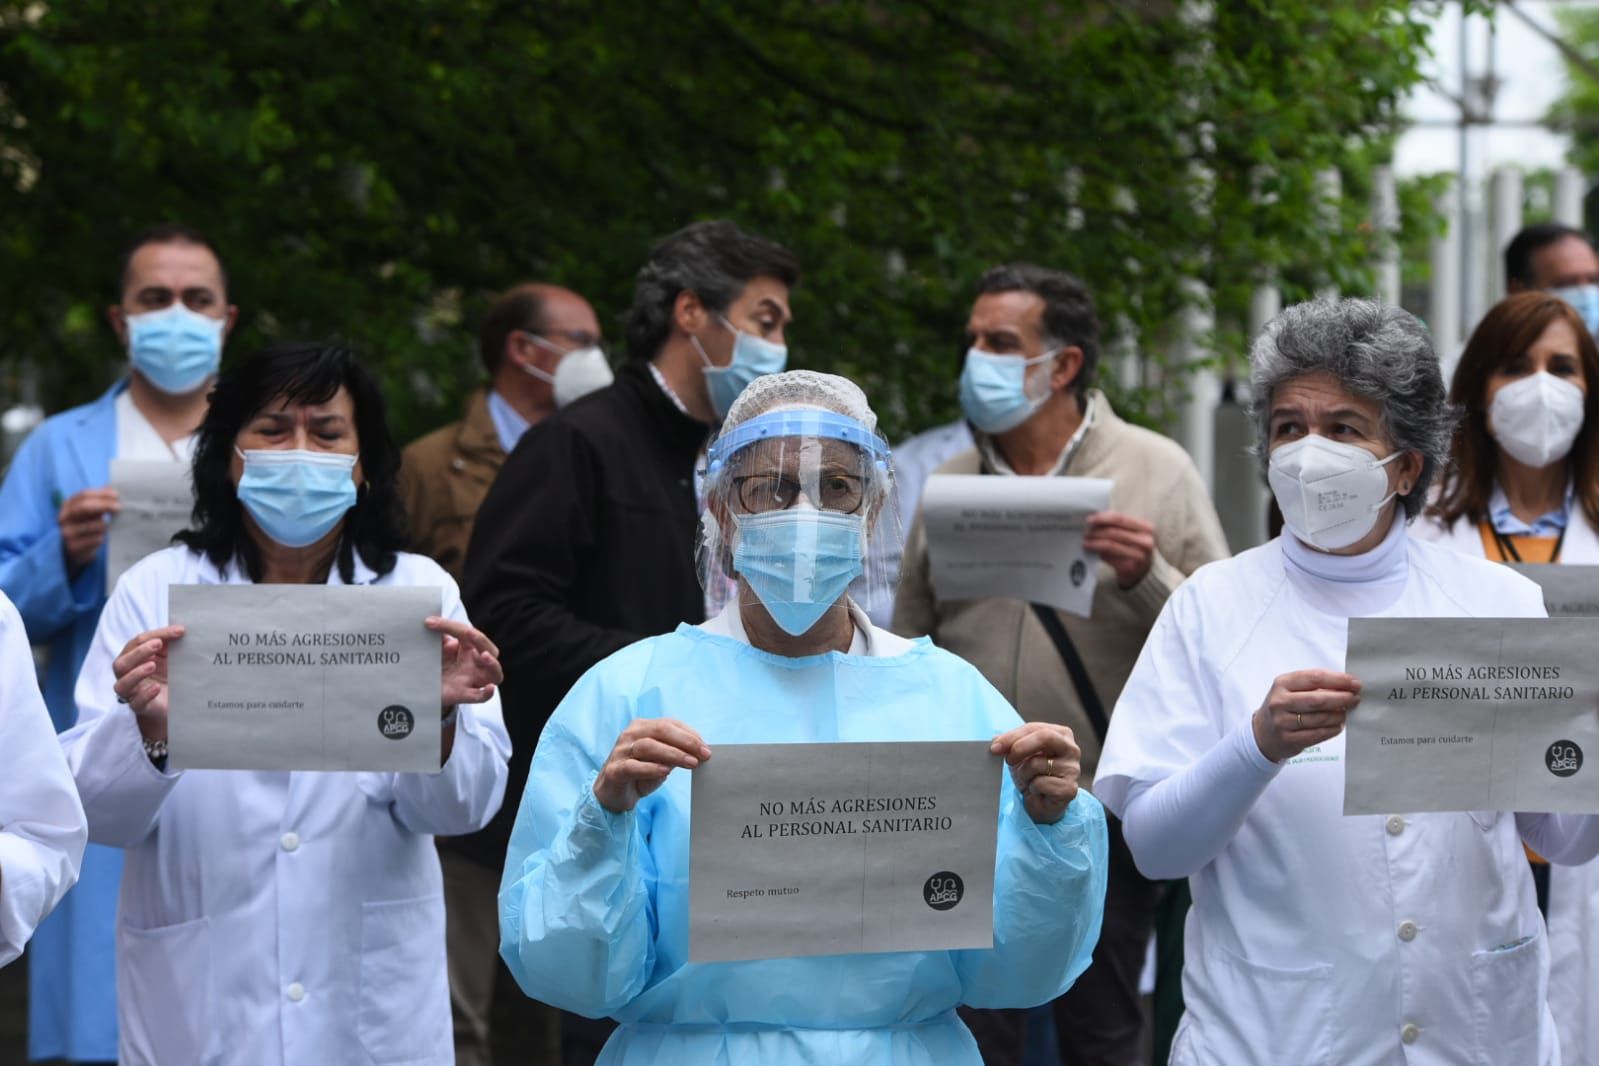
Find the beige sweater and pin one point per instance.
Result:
(1154, 480)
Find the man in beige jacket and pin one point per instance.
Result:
(1026, 388)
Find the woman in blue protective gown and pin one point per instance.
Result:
(594, 899)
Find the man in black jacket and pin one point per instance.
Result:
(585, 542)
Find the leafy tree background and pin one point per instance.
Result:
(378, 171)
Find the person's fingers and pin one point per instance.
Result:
(1317, 701)
(673, 732)
(1120, 535)
(648, 749)
(1001, 744)
(463, 632)
(1042, 741)
(139, 656)
(637, 770)
(1306, 680)
(129, 682)
(489, 667)
(1117, 520)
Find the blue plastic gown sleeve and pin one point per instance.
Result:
(1049, 900)
(33, 570)
(577, 899)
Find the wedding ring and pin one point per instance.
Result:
(1300, 720)
(1049, 767)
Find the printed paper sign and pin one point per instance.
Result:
(1018, 538)
(156, 502)
(828, 849)
(1568, 591)
(1466, 714)
(304, 677)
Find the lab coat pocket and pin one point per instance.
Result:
(164, 983)
(405, 997)
(1289, 1011)
(1509, 986)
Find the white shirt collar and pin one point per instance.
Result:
(660, 379)
(508, 424)
(997, 463)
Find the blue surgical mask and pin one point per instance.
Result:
(1585, 298)
(993, 389)
(296, 496)
(752, 357)
(799, 561)
(176, 349)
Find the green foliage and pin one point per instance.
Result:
(378, 171)
(1578, 107)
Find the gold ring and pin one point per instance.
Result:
(1049, 767)
(1300, 721)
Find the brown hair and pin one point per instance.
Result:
(1508, 330)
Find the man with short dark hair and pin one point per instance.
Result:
(1556, 258)
(172, 317)
(1027, 389)
(585, 543)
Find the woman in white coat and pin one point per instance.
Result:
(1523, 487)
(1317, 938)
(42, 831)
(278, 917)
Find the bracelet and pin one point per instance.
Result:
(156, 750)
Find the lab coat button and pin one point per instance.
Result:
(1408, 931)
(1410, 1032)
(296, 992)
(290, 842)
(1396, 825)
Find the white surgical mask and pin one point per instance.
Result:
(1330, 494)
(580, 371)
(1536, 418)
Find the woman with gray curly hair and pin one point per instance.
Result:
(1319, 938)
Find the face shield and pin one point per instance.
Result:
(798, 510)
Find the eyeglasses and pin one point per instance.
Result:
(760, 493)
(577, 338)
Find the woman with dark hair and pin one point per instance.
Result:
(278, 917)
(1523, 487)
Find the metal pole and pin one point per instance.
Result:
(1446, 288)
(1568, 196)
(1385, 220)
(1504, 220)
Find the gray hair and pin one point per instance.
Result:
(1373, 350)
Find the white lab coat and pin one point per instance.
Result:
(1317, 938)
(275, 917)
(1573, 890)
(42, 829)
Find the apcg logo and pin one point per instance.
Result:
(396, 722)
(943, 890)
(1563, 758)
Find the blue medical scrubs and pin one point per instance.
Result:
(72, 1005)
(594, 905)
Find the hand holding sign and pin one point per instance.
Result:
(470, 665)
(1045, 762)
(1303, 709)
(141, 678)
(647, 751)
(1124, 542)
(83, 525)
